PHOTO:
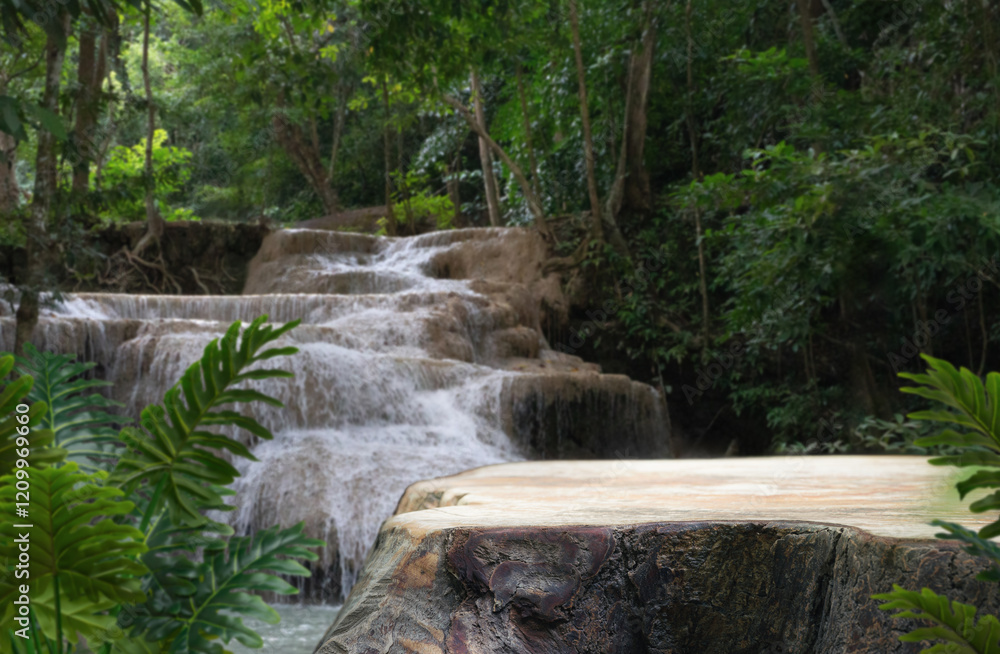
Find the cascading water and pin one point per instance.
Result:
(407, 353)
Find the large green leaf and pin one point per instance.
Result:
(38, 439)
(954, 623)
(976, 407)
(79, 421)
(173, 452)
(192, 602)
(74, 541)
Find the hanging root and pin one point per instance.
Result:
(125, 264)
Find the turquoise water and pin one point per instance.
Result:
(300, 629)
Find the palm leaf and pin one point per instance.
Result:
(75, 542)
(173, 452)
(191, 603)
(953, 622)
(38, 439)
(79, 421)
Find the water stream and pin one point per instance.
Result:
(401, 374)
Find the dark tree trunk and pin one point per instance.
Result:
(391, 227)
(155, 224)
(485, 158)
(638, 195)
(303, 150)
(808, 35)
(46, 171)
(89, 75)
(535, 182)
(10, 192)
(597, 228)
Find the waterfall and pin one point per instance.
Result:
(413, 356)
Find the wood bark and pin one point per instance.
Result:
(91, 66)
(809, 36)
(46, 171)
(155, 224)
(630, 188)
(10, 192)
(485, 159)
(597, 228)
(534, 204)
(391, 227)
(528, 142)
(638, 195)
(696, 175)
(303, 150)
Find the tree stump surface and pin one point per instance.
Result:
(754, 555)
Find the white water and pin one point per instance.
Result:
(371, 409)
(301, 628)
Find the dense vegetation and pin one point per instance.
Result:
(125, 556)
(769, 208)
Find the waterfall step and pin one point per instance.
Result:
(775, 554)
(418, 357)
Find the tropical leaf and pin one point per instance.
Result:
(12, 442)
(79, 421)
(976, 407)
(173, 453)
(75, 546)
(192, 603)
(954, 623)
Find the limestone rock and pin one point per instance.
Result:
(724, 556)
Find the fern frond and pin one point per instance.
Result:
(81, 422)
(39, 439)
(75, 540)
(173, 451)
(193, 603)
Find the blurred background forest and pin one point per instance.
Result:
(765, 208)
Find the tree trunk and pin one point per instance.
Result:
(391, 227)
(46, 171)
(89, 75)
(451, 173)
(489, 181)
(338, 130)
(808, 35)
(10, 193)
(597, 228)
(535, 182)
(529, 194)
(155, 224)
(638, 195)
(696, 175)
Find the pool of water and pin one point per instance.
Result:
(301, 627)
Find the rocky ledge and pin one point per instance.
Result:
(728, 556)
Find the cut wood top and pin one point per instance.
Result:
(894, 496)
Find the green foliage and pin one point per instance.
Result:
(80, 422)
(955, 623)
(173, 452)
(81, 558)
(192, 601)
(418, 203)
(13, 439)
(125, 183)
(95, 555)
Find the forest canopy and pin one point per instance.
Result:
(765, 208)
